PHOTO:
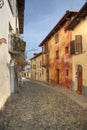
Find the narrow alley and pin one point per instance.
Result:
(38, 107)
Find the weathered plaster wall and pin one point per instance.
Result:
(39, 68)
(63, 62)
(4, 76)
(6, 17)
(37, 71)
(33, 69)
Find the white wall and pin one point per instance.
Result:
(6, 17)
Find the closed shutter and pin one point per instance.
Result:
(78, 43)
(72, 47)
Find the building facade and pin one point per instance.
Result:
(56, 53)
(79, 50)
(37, 71)
(11, 22)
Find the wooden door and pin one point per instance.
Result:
(47, 75)
(58, 75)
(79, 78)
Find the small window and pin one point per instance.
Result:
(67, 72)
(40, 74)
(42, 71)
(45, 48)
(66, 50)
(78, 43)
(56, 38)
(40, 64)
(57, 54)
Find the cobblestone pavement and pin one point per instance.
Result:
(41, 108)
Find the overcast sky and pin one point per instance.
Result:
(41, 16)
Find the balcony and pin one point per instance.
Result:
(15, 44)
(45, 60)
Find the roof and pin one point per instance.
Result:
(67, 15)
(21, 6)
(37, 55)
(80, 15)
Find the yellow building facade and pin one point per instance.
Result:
(38, 73)
(79, 56)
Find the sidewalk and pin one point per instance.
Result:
(81, 100)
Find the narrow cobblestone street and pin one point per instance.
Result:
(41, 108)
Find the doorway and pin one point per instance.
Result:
(79, 79)
(58, 76)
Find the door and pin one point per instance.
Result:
(58, 76)
(79, 79)
(47, 75)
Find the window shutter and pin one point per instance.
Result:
(78, 43)
(72, 47)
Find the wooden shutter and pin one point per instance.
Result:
(72, 47)
(78, 43)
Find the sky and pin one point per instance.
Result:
(40, 16)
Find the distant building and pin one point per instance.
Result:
(37, 71)
(27, 70)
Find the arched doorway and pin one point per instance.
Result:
(79, 78)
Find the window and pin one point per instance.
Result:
(42, 71)
(72, 47)
(57, 54)
(40, 64)
(31, 66)
(45, 48)
(56, 38)
(67, 72)
(78, 43)
(66, 50)
(34, 66)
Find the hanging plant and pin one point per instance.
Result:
(17, 43)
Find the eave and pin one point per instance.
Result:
(36, 56)
(80, 15)
(62, 21)
(21, 6)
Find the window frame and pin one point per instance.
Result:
(56, 37)
(57, 54)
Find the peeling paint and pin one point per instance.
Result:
(3, 40)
